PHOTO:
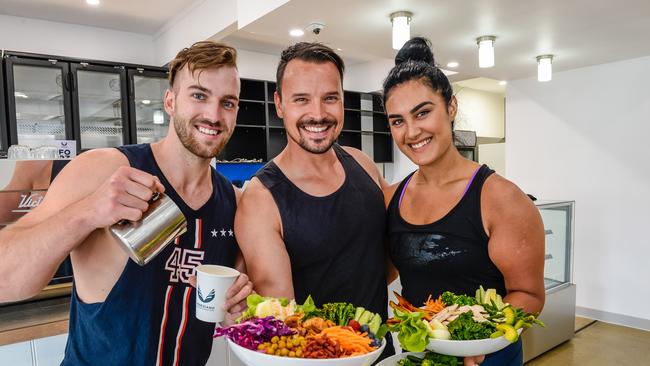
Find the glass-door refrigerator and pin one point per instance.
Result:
(148, 120)
(38, 101)
(100, 115)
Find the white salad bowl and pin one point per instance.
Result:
(254, 358)
(469, 348)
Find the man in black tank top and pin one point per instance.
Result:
(121, 313)
(312, 221)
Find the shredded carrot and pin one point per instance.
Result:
(434, 306)
(351, 342)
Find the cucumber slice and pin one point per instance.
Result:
(358, 313)
(374, 323)
(365, 317)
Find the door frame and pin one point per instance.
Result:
(131, 72)
(12, 122)
(115, 70)
(4, 125)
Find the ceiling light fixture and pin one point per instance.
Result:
(452, 64)
(297, 32)
(20, 95)
(401, 28)
(503, 82)
(544, 67)
(92, 2)
(485, 51)
(146, 101)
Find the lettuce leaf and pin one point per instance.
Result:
(413, 334)
(307, 307)
(253, 300)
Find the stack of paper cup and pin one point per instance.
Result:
(212, 282)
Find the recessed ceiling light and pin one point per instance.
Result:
(297, 32)
(503, 82)
(338, 49)
(146, 101)
(92, 2)
(452, 64)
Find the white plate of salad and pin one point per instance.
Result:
(279, 332)
(459, 325)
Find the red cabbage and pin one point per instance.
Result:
(255, 331)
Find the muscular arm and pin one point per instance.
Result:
(73, 208)
(516, 243)
(259, 233)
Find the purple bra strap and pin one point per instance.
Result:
(401, 195)
(471, 180)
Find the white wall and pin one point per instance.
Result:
(367, 76)
(583, 137)
(494, 155)
(62, 39)
(209, 19)
(256, 65)
(480, 111)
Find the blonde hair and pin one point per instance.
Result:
(200, 56)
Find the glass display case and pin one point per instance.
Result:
(558, 228)
(559, 307)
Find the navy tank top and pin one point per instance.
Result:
(149, 317)
(335, 242)
(450, 254)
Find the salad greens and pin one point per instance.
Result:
(450, 298)
(413, 332)
(338, 312)
(430, 359)
(254, 299)
(465, 328)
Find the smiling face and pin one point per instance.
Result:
(311, 104)
(203, 108)
(420, 121)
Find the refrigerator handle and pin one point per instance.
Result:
(71, 82)
(66, 81)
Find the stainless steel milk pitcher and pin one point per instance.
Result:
(160, 225)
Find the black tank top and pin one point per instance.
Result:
(450, 254)
(335, 242)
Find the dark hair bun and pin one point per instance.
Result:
(416, 49)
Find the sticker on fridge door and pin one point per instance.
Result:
(67, 148)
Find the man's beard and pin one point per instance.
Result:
(183, 130)
(323, 145)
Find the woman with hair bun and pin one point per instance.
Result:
(454, 225)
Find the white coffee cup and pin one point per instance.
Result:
(212, 282)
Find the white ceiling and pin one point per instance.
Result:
(138, 16)
(579, 32)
